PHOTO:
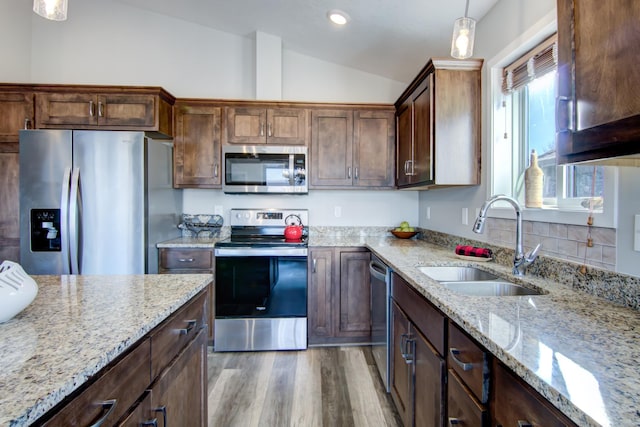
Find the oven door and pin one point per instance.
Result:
(261, 299)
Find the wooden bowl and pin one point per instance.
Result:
(404, 234)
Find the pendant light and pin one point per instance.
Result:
(56, 10)
(464, 30)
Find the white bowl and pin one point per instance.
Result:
(17, 290)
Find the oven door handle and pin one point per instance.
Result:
(253, 251)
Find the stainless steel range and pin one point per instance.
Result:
(261, 282)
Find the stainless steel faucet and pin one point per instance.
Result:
(520, 260)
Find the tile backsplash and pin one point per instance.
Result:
(562, 241)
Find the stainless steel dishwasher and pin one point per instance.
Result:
(381, 316)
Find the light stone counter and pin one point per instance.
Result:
(75, 327)
(579, 351)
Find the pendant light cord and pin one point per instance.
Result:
(466, 9)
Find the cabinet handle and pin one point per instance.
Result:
(269, 132)
(525, 423)
(406, 162)
(91, 109)
(261, 128)
(349, 172)
(565, 112)
(107, 407)
(356, 173)
(465, 366)
(315, 263)
(185, 259)
(100, 109)
(412, 170)
(411, 351)
(153, 422)
(215, 170)
(190, 325)
(163, 410)
(453, 421)
(27, 123)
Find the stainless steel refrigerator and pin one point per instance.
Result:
(95, 202)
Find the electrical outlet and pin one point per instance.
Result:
(428, 214)
(465, 216)
(337, 211)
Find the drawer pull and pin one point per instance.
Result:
(315, 264)
(107, 407)
(153, 422)
(522, 423)
(190, 325)
(162, 409)
(186, 259)
(100, 109)
(454, 421)
(465, 366)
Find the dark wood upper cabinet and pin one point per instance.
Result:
(258, 125)
(438, 126)
(197, 145)
(598, 105)
(16, 113)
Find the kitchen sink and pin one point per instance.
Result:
(475, 282)
(457, 274)
(489, 288)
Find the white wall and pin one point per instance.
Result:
(358, 208)
(15, 41)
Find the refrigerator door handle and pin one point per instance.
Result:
(75, 206)
(64, 221)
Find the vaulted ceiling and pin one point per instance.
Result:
(391, 38)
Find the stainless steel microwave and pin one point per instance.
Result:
(265, 169)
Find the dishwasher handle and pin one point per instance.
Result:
(379, 271)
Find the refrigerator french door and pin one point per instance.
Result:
(90, 205)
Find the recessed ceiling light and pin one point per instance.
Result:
(338, 17)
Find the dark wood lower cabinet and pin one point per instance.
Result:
(462, 408)
(338, 305)
(418, 378)
(515, 403)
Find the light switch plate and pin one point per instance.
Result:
(465, 216)
(636, 233)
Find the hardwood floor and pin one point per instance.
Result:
(326, 386)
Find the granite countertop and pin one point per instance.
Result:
(578, 350)
(76, 326)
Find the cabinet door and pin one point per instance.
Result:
(598, 79)
(429, 383)
(404, 149)
(130, 111)
(246, 125)
(16, 112)
(320, 293)
(373, 140)
(68, 109)
(462, 407)
(331, 148)
(197, 157)
(287, 126)
(9, 207)
(513, 403)
(401, 369)
(182, 388)
(142, 415)
(422, 131)
(353, 306)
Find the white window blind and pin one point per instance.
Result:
(539, 61)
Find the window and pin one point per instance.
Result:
(524, 120)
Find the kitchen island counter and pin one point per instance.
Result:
(76, 326)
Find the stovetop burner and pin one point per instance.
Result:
(264, 228)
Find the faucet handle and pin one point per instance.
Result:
(531, 256)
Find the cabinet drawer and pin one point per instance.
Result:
(425, 316)
(122, 384)
(174, 334)
(513, 402)
(182, 259)
(463, 408)
(469, 361)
